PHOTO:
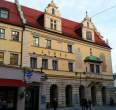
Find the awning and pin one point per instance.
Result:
(94, 59)
(11, 83)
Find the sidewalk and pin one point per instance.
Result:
(93, 108)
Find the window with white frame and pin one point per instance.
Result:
(95, 68)
(35, 41)
(98, 69)
(70, 66)
(15, 35)
(4, 13)
(33, 62)
(48, 43)
(89, 35)
(55, 64)
(92, 70)
(2, 33)
(1, 57)
(69, 48)
(53, 11)
(45, 63)
(14, 59)
(53, 24)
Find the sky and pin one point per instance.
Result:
(76, 10)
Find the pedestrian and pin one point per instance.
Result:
(55, 105)
(4, 104)
(89, 104)
(83, 104)
(0, 104)
(86, 104)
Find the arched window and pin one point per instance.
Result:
(68, 95)
(89, 35)
(53, 11)
(4, 13)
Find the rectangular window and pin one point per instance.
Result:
(51, 24)
(55, 64)
(48, 44)
(15, 36)
(35, 41)
(45, 63)
(70, 66)
(3, 13)
(1, 57)
(13, 59)
(92, 68)
(2, 33)
(69, 48)
(89, 36)
(97, 69)
(33, 62)
(55, 25)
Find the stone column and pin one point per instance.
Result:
(61, 93)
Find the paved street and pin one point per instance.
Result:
(94, 108)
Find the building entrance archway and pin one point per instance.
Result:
(53, 94)
(103, 90)
(81, 93)
(93, 95)
(68, 95)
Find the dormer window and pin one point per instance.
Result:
(53, 11)
(89, 35)
(53, 24)
(3, 13)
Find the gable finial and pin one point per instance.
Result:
(86, 13)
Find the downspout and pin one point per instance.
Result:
(23, 22)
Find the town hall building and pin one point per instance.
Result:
(44, 56)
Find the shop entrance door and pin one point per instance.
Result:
(8, 98)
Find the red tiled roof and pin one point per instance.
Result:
(35, 19)
(14, 17)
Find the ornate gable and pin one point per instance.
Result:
(52, 18)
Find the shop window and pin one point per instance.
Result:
(1, 57)
(13, 59)
(15, 35)
(33, 62)
(2, 33)
(4, 13)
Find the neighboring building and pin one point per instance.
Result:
(74, 56)
(114, 76)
